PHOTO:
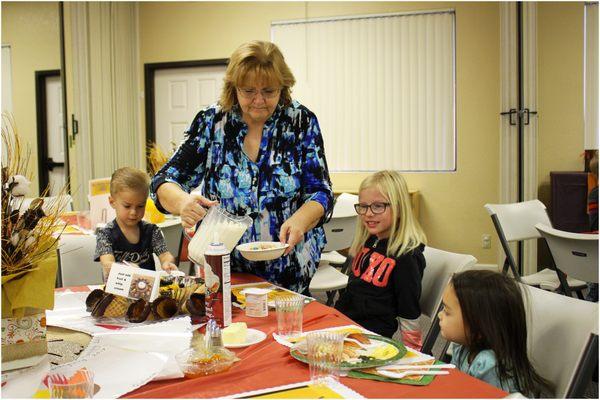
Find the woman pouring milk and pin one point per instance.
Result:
(261, 154)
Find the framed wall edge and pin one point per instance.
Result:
(41, 126)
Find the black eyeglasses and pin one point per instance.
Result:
(267, 93)
(376, 208)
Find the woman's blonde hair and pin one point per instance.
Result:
(405, 233)
(263, 60)
(129, 178)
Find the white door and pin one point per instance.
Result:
(179, 94)
(55, 140)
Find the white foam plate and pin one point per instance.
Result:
(253, 336)
(254, 251)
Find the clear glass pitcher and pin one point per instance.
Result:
(230, 229)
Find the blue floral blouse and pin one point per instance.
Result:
(290, 170)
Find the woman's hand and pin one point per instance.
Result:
(305, 218)
(191, 210)
(292, 232)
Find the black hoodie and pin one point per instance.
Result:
(381, 288)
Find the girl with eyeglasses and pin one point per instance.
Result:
(387, 260)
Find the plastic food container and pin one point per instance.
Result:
(194, 363)
(257, 302)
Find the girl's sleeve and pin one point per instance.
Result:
(159, 246)
(316, 182)
(407, 276)
(103, 244)
(186, 167)
(484, 368)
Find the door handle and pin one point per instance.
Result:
(51, 164)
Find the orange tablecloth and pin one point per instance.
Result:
(268, 364)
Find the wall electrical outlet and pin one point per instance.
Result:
(486, 241)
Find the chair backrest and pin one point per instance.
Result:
(517, 220)
(587, 368)
(339, 231)
(439, 267)
(575, 254)
(558, 329)
(76, 260)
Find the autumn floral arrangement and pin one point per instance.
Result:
(30, 234)
(156, 159)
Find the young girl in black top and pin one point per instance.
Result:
(388, 262)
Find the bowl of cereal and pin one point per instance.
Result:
(262, 251)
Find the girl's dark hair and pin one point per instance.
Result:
(493, 311)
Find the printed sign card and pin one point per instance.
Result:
(133, 282)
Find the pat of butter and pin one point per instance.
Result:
(235, 333)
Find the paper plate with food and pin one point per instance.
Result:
(262, 251)
(361, 350)
(346, 330)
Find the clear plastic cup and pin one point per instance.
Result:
(230, 228)
(324, 356)
(71, 385)
(83, 220)
(289, 315)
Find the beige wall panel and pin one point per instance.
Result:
(560, 83)
(32, 31)
(452, 203)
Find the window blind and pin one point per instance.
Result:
(382, 87)
(590, 66)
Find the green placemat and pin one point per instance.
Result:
(424, 381)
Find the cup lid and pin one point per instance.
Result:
(255, 291)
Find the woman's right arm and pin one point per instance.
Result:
(187, 206)
(185, 170)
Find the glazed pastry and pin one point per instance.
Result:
(164, 307)
(195, 305)
(111, 306)
(360, 337)
(93, 298)
(201, 289)
(139, 311)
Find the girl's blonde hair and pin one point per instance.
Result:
(405, 233)
(263, 60)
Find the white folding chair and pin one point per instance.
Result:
(575, 254)
(516, 222)
(439, 267)
(76, 261)
(66, 202)
(339, 232)
(558, 335)
(172, 231)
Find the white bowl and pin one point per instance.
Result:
(262, 251)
